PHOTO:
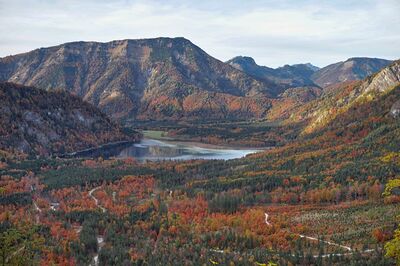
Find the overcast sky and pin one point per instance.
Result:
(273, 32)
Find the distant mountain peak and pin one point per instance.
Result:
(355, 68)
(312, 67)
(353, 94)
(288, 76)
(361, 58)
(242, 58)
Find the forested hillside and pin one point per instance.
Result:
(35, 121)
(124, 144)
(316, 200)
(344, 98)
(299, 112)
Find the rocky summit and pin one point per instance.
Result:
(356, 68)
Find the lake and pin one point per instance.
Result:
(156, 150)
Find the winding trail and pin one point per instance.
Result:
(100, 239)
(100, 244)
(14, 253)
(39, 211)
(266, 219)
(37, 207)
(96, 201)
(351, 251)
(343, 254)
(329, 243)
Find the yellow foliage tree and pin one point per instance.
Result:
(392, 247)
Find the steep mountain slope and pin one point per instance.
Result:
(298, 75)
(143, 79)
(356, 68)
(35, 121)
(301, 113)
(322, 111)
(290, 100)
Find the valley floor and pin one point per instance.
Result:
(139, 220)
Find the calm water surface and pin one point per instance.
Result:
(150, 149)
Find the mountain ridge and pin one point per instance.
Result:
(297, 75)
(172, 79)
(354, 68)
(347, 96)
(127, 78)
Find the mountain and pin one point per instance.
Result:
(290, 100)
(288, 76)
(356, 68)
(40, 122)
(161, 78)
(302, 75)
(172, 79)
(348, 96)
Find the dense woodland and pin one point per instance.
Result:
(326, 192)
(319, 199)
(36, 121)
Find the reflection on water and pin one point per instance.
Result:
(149, 149)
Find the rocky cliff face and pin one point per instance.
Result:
(325, 109)
(383, 80)
(35, 121)
(141, 79)
(352, 69)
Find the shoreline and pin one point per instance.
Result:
(110, 145)
(208, 145)
(149, 134)
(108, 150)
